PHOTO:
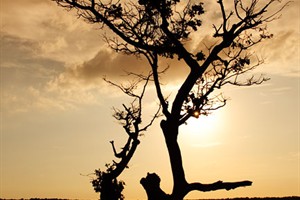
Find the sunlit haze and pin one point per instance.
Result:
(56, 111)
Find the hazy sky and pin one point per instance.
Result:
(56, 112)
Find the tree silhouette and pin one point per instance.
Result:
(130, 118)
(162, 29)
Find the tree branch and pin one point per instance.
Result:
(160, 96)
(219, 185)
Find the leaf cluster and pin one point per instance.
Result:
(107, 187)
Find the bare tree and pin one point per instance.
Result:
(161, 29)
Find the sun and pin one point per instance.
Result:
(201, 125)
(207, 123)
(196, 114)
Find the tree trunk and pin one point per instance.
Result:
(151, 183)
(170, 130)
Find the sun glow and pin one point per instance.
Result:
(202, 126)
(205, 123)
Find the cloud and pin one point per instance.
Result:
(26, 78)
(18, 51)
(48, 52)
(31, 98)
(109, 63)
(59, 34)
(282, 53)
(289, 156)
(39, 40)
(114, 66)
(34, 81)
(21, 66)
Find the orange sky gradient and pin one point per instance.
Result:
(56, 111)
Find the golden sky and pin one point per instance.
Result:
(56, 111)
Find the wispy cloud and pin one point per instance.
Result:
(289, 156)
